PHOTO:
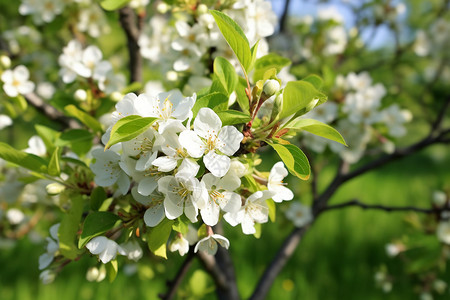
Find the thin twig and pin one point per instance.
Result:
(175, 283)
(131, 26)
(49, 111)
(283, 19)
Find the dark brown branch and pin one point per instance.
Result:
(175, 283)
(211, 266)
(131, 26)
(49, 111)
(277, 264)
(283, 19)
(383, 207)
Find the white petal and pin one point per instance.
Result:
(109, 253)
(147, 185)
(173, 209)
(223, 241)
(192, 143)
(188, 168)
(233, 202)
(207, 123)
(217, 164)
(97, 244)
(21, 73)
(165, 163)
(282, 193)
(124, 183)
(154, 215)
(145, 200)
(230, 140)
(278, 172)
(229, 182)
(210, 214)
(248, 226)
(45, 260)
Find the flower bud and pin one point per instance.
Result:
(47, 276)
(54, 188)
(5, 61)
(271, 87)
(116, 96)
(202, 9)
(277, 106)
(80, 95)
(439, 198)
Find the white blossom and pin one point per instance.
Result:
(180, 244)
(5, 121)
(36, 146)
(15, 216)
(299, 214)
(132, 250)
(105, 248)
(209, 244)
(443, 232)
(52, 248)
(16, 81)
(276, 185)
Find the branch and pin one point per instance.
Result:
(131, 26)
(278, 262)
(49, 111)
(362, 205)
(175, 283)
(284, 15)
(211, 266)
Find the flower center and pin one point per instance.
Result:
(166, 111)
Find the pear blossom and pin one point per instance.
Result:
(182, 194)
(47, 276)
(443, 232)
(42, 10)
(132, 250)
(209, 244)
(155, 202)
(211, 138)
(220, 197)
(394, 117)
(171, 109)
(96, 274)
(180, 244)
(5, 121)
(275, 183)
(105, 248)
(36, 146)
(299, 214)
(52, 247)
(16, 81)
(92, 20)
(70, 61)
(108, 171)
(15, 216)
(255, 210)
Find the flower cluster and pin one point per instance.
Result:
(361, 117)
(179, 168)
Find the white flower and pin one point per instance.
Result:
(92, 20)
(180, 244)
(394, 118)
(171, 108)
(443, 232)
(439, 198)
(70, 60)
(275, 183)
(132, 250)
(209, 244)
(96, 274)
(45, 89)
(15, 216)
(52, 247)
(105, 248)
(299, 214)
(393, 249)
(5, 121)
(16, 81)
(254, 211)
(220, 197)
(42, 10)
(36, 146)
(47, 276)
(422, 45)
(155, 203)
(108, 171)
(182, 194)
(209, 137)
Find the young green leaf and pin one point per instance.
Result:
(235, 37)
(233, 117)
(80, 140)
(86, 119)
(158, 236)
(216, 101)
(272, 209)
(294, 159)
(54, 168)
(95, 224)
(113, 4)
(128, 128)
(299, 97)
(315, 80)
(111, 269)
(23, 159)
(267, 62)
(98, 195)
(317, 128)
(48, 136)
(242, 99)
(68, 229)
(226, 74)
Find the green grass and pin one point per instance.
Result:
(336, 259)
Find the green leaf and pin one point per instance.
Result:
(133, 87)
(95, 224)
(299, 97)
(68, 229)
(98, 195)
(294, 159)
(233, 117)
(242, 98)
(23, 159)
(226, 74)
(181, 225)
(54, 168)
(48, 136)
(272, 210)
(315, 80)
(111, 269)
(113, 4)
(258, 230)
(79, 140)
(235, 37)
(74, 161)
(216, 101)
(86, 119)
(158, 236)
(317, 128)
(267, 62)
(250, 182)
(254, 51)
(128, 128)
